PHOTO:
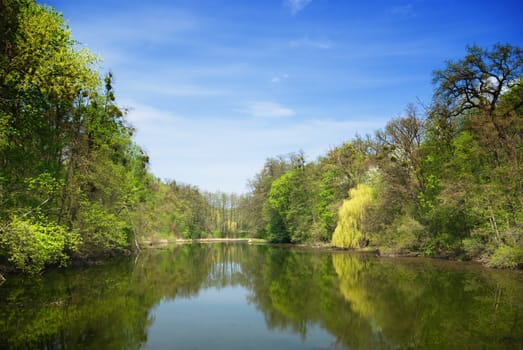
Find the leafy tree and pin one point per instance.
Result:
(400, 158)
(70, 171)
(337, 172)
(349, 233)
(289, 203)
(256, 202)
(479, 171)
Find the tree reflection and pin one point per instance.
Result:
(363, 301)
(91, 308)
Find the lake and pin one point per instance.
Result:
(240, 296)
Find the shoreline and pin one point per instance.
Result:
(163, 243)
(311, 247)
(146, 244)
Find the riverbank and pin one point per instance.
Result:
(159, 243)
(145, 244)
(320, 246)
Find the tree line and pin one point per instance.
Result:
(70, 174)
(73, 184)
(446, 182)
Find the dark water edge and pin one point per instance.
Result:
(239, 296)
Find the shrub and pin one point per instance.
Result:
(443, 245)
(32, 245)
(507, 257)
(408, 234)
(473, 247)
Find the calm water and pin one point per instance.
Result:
(238, 296)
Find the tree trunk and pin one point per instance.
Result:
(494, 225)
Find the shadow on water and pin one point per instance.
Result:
(362, 302)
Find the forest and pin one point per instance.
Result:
(442, 180)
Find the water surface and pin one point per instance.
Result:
(238, 296)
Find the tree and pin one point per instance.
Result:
(401, 156)
(70, 173)
(477, 84)
(41, 75)
(479, 80)
(337, 172)
(289, 199)
(349, 233)
(478, 167)
(255, 202)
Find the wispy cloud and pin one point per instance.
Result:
(175, 90)
(309, 43)
(279, 78)
(221, 153)
(138, 26)
(297, 5)
(403, 10)
(125, 37)
(266, 109)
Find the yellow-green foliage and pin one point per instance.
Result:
(507, 257)
(349, 270)
(31, 245)
(348, 231)
(54, 66)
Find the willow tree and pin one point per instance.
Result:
(348, 233)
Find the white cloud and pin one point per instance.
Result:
(297, 5)
(279, 78)
(218, 153)
(142, 114)
(172, 89)
(137, 27)
(266, 109)
(315, 44)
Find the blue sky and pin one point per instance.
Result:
(215, 87)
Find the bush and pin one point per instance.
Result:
(473, 247)
(507, 257)
(408, 234)
(101, 230)
(443, 245)
(32, 245)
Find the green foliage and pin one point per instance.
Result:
(474, 247)
(507, 257)
(276, 230)
(296, 207)
(70, 172)
(408, 235)
(443, 244)
(448, 184)
(100, 229)
(281, 212)
(32, 245)
(300, 201)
